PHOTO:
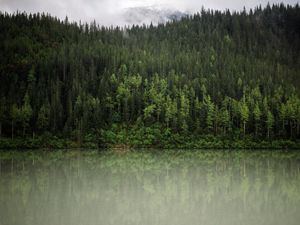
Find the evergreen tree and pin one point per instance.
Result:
(210, 109)
(207, 73)
(244, 113)
(270, 122)
(25, 113)
(257, 117)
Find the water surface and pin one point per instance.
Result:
(149, 187)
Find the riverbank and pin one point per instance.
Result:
(129, 140)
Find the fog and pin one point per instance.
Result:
(111, 12)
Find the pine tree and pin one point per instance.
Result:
(270, 122)
(2, 113)
(210, 109)
(244, 113)
(43, 117)
(170, 110)
(25, 113)
(225, 120)
(184, 111)
(15, 117)
(257, 117)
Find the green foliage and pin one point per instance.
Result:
(25, 113)
(244, 114)
(179, 79)
(210, 108)
(270, 122)
(257, 117)
(171, 110)
(184, 112)
(149, 110)
(43, 117)
(225, 120)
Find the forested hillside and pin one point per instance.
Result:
(228, 74)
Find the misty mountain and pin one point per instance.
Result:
(230, 76)
(146, 15)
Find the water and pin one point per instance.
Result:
(149, 187)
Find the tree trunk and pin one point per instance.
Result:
(12, 129)
(291, 128)
(256, 130)
(244, 128)
(24, 127)
(79, 134)
(0, 130)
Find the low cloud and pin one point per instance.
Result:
(111, 12)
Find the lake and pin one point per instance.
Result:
(154, 187)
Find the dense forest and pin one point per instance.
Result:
(225, 74)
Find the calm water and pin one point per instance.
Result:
(150, 187)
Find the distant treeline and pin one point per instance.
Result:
(223, 73)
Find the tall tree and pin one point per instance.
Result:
(244, 113)
(257, 117)
(25, 113)
(270, 122)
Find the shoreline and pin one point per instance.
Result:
(201, 143)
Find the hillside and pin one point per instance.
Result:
(227, 74)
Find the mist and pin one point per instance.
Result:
(111, 12)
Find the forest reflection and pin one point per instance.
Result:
(149, 187)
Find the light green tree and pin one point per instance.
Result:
(184, 111)
(291, 112)
(225, 120)
(257, 117)
(170, 110)
(198, 106)
(148, 111)
(123, 95)
(244, 114)
(283, 117)
(210, 110)
(269, 122)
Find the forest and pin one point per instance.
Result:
(220, 76)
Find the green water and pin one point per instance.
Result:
(150, 187)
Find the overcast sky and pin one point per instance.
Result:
(108, 12)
